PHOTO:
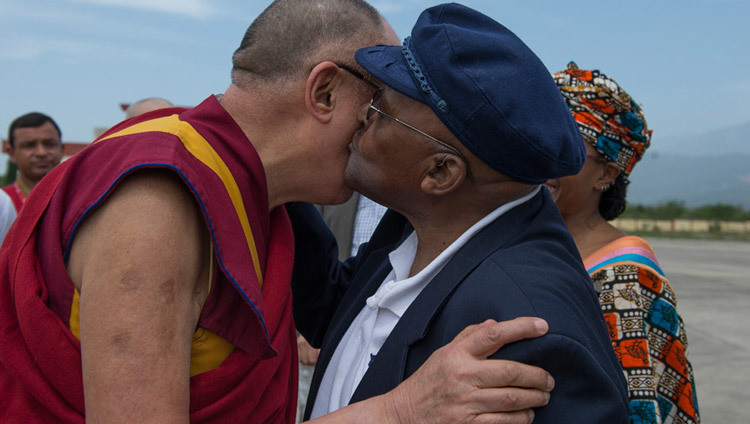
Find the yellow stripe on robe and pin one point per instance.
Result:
(202, 150)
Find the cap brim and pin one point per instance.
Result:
(387, 64)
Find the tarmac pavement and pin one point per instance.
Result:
(711, 280)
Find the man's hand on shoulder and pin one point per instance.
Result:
(458, 384)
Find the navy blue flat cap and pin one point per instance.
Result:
(488, 88)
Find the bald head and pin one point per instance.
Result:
(291, 36)
(146, 105)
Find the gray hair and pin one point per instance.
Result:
(289, 36)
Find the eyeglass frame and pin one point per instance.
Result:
(359, 75)
(371, 107)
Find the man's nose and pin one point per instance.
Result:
(40, 149)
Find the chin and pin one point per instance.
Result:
(350, 177)
(346, 195)
(337, 198)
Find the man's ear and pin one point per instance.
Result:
(320, 91)
(6, 147)
(447, 172)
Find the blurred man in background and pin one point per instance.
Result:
(147, 105)
(35, 146)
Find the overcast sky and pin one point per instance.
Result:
(685, 61)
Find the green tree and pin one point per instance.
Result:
(636, 211)
(10, 175)
(676, 210)
(670, 210)
(719, 212)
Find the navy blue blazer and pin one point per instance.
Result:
(523, 264)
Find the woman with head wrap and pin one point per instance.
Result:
(637, 300)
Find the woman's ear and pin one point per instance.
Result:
(320, 90)
(609, 172)
(446, 173)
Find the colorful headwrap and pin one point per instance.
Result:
(607, 117)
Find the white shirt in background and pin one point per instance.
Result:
(7, 214)
(366, 220)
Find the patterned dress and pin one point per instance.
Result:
(647, 333)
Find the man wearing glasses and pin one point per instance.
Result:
(148, 278)
(464, 126)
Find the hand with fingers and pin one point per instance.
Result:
(307, 354)
(458, 384)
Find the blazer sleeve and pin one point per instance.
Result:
(589, 382)
(584, 392)
(319, 279)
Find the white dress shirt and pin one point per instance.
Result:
(382, 311)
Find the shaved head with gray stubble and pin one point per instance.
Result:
(291, 36)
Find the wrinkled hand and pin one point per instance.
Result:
(458, 384)
(308, 355)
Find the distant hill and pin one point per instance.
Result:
(728, 140)
(702, 169)
(697, 181)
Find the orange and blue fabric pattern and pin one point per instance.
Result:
(608, 118)
(647, 333)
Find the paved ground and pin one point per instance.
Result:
(712, 282)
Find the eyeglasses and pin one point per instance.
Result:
(359, 75)
(371, 107)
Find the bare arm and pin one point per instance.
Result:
(140, 264)
(458, 384)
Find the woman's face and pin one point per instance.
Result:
(582, 191)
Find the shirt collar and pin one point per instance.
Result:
(399, 290)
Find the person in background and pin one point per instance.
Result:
(148, 277)
(457, 143)
(352, 222)
(35, 145)
(146, 105)
(638, 303)
(7, 214)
